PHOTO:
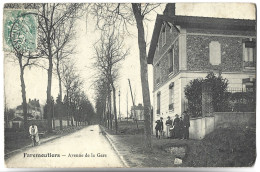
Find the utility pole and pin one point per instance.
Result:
(127, 106)
(132, 101)
(119, 115)
(53, 116)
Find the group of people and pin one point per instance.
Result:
(177, 129)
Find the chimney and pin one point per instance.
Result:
(169, 10)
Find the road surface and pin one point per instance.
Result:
(85, 148)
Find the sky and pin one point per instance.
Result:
(36, 78)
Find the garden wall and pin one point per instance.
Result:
(199, 127)
(225, 119)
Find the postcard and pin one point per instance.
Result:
(129, 85)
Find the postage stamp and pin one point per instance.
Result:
(20, 30)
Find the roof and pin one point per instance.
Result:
(200, 23)
(17, 119)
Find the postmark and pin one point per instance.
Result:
(20, 31)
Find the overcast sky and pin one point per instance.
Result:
(36, 78)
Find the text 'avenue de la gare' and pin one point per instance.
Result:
(71, 155)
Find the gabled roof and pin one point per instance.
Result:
(200, 23)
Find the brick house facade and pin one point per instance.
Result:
(184, 48)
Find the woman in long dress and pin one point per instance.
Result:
(168, 126)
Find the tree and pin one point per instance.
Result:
(193, 92)
(109, 52)
(20, 36)
(52, 16)
(124, 14)
(101, 92)
(68, 77)
(65, 33)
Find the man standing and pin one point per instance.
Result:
(186, 124)
(159, 128)
(181, 128)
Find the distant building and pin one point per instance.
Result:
(137, 112)
(34, 110)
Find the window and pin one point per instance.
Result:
(163, 35)
(249, 53)
(157, 73)
(214, 53)
(158, 102)
(171, 96)
(170, 27)
(171, 60)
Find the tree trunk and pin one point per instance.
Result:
(68, 110)
(114, 103)
(71, 115)
(24, 103)
(109, 108)
(60, 93)
(144, 75)
(49, 101)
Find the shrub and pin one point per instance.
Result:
(193, 92)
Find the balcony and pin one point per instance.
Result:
(171, 107)
(249, 65)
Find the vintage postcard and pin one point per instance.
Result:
(129, 85)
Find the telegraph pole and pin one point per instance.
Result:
(119, 115)
(133, 102)
(127, 106)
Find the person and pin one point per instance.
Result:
(168, 126)
(176, 124)
(33, 130)
(186, 125)
(159, 128)
(181, 129)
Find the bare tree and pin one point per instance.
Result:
(52, 16)
(64, 33)
(109, 52)
(21, 42)
(120, 15)
(71, 82)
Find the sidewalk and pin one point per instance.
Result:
(122, 150)
(131, 149)
(56, 134)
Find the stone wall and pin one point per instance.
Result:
(57, 123)
(198, 53)
(170, 37)
(225, 119)
(161, 61)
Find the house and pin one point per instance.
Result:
(34, 110)
(184, 48)
(137, 112)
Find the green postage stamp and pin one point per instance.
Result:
(20, 30)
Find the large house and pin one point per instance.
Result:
(137, 112)
(184, 48)
(34, 110)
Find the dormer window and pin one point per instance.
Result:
(163, 34)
